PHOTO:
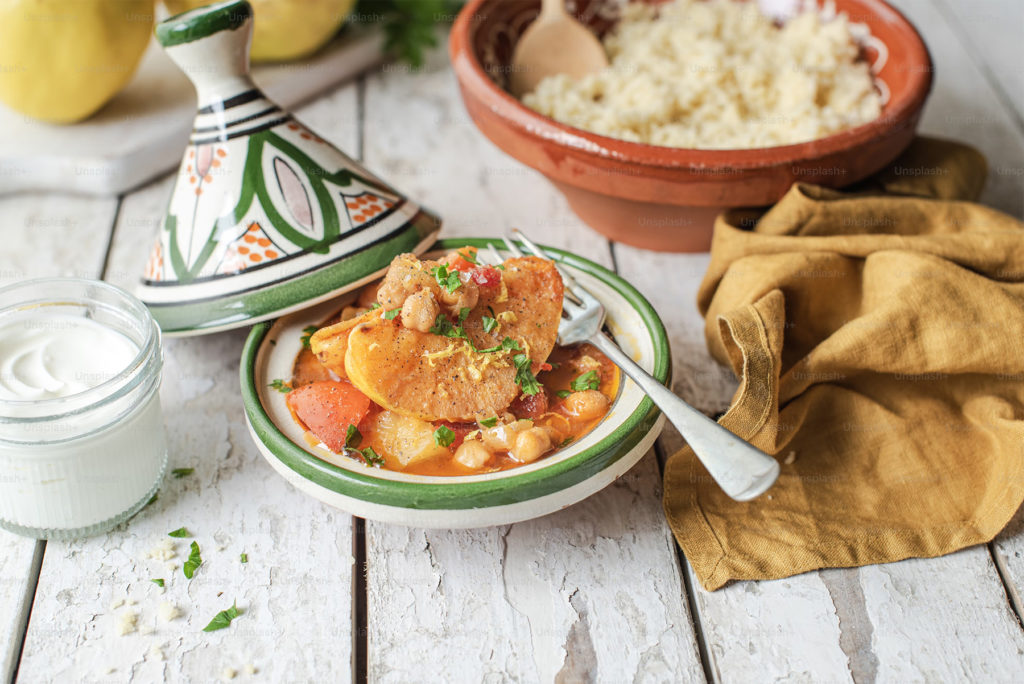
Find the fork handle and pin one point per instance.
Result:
(743, 471)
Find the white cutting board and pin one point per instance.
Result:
(141, 133)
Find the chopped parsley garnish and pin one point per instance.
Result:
(371, 457)
(588, 380)
(193, 562)
(500, 267)
(352, 437)
(443, 436)
(390, 314)
(565, 442)
(179, 473)
(280, 385)
(443, 327)
(489, 422)
(374, 306)
(524, 375)
(158, 582)
(244, 558)
(179, 533)
(463, 314)
(562, 394)
(507, 344)
(222, 619)
(489, 323)
(469, 256)
(307, 332)
(449, 280)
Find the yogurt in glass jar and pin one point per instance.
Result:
(82, 444)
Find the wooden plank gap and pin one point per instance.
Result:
(360, 116)
(692, 610)
(26, 604)
(360, 623)
(1012, 595)
(979, 61)
(110, 240)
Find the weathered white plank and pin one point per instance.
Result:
(589, 593)
(43, 235)
(941, 619)
(993, 30)
(295, 590)
(963, 105)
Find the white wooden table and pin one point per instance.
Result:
(597, 592)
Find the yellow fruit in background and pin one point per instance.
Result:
(285, 29)
(61, 60)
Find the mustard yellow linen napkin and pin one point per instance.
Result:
(879, 339)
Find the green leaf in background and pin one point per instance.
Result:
(408, 24)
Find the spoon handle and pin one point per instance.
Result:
(742, 470)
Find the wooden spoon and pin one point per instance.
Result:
(555, 43)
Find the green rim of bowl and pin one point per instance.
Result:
(330, 279)
(203, 22)
(484, 493)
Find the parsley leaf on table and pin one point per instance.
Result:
(193, 562)
(222, 619)
(179, 533)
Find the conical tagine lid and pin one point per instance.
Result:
(265, 217)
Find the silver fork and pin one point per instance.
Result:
(742, 470)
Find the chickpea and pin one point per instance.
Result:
(587, 404)
(554, 434)
(405, 276)
(473, 454)
(530, 445)
(466, 296)
(502, 437)
(419, 311)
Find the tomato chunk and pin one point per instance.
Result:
(460, 262)
(327, 408)
(485, 276)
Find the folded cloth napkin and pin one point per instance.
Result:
(878, 336)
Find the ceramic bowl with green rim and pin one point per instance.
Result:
(586, 466)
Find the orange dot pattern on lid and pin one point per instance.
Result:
(155, 263)
(253, 247)
(366, 207)
(201, 160)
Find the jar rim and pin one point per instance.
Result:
(106, 390)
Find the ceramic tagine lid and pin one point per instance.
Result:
(265, 217)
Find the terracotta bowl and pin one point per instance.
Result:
(666, 198)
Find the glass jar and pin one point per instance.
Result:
(83, 462)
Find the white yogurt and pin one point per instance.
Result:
(46, 356)
(82, 442)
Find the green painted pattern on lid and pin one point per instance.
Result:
(484, 493)
(203, 22)
(335, 278)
